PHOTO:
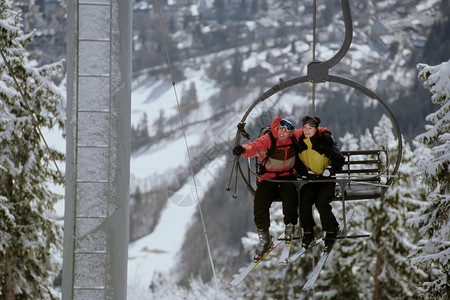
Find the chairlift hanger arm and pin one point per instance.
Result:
(348, 35)
(318, 71)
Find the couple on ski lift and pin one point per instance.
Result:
(305, 152)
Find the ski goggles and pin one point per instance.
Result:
(310, 120)
(286, 125)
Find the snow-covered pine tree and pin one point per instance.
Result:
(164, 284)
(377, 267)
(394, 277)
(432, 220)
(28, 234)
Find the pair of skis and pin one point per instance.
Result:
(285, 258)
(241, 276)
(312, 277)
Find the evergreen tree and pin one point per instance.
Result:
(189, 99)
(349, 142)
(160, 123)
(165, 284)
(264, 5)
(237, 77)
(432, 220)
(383, 268)
(219, 5)
(143, 127)
(394, 277)
(377, 267)
(254, 6)
(29, 237)
(293, 48)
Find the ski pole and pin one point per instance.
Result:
(241, 131)
(228, 188)
(235, 178)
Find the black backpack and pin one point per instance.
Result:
(259, 165)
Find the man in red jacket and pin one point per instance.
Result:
(280, 166)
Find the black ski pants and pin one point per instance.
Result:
(319, 194)
(265, 194)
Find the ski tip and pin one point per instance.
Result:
(233, 283)
(283, 260)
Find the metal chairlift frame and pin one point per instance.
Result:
(318, 72)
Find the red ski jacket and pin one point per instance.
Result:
(282, 161)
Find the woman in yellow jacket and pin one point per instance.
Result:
(317, 151)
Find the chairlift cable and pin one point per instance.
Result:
(187, 147)
(27, 106)
(313, 50)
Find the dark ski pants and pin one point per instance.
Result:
(264, 196)
(320, 194)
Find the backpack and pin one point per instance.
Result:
(259, 165)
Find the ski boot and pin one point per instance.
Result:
(308, 237)
(330, 239)
(289, 232)
(265, 243)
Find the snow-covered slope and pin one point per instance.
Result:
(159, 251)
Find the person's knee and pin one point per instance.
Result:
(323, 205)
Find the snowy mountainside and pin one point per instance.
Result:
(167, 155)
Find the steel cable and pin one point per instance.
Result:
(187, 148)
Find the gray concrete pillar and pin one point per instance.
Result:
(98, 149)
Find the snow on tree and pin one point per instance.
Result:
(376, 267)
(164, 286)
(349, 142)
(29, 236)
(432, 220)
(394, 275)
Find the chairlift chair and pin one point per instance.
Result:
(366, 172)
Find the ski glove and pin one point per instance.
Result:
(326, 173)
(238, 150)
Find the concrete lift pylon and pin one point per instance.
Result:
(99, 39)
